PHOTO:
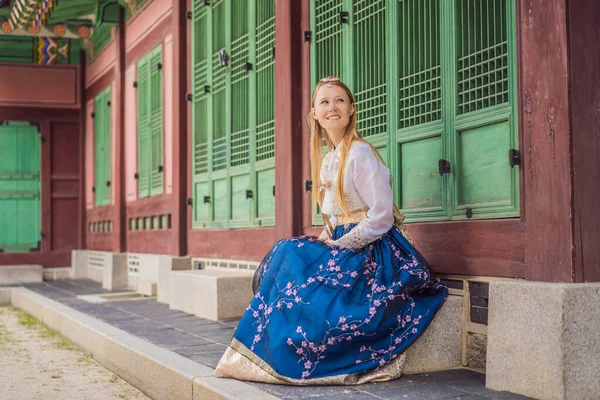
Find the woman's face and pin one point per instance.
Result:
(332, 108)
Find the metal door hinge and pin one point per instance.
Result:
(135, 84)
(343, 17)
(160, 168)
(444, 167)
(159, 66)
(206, 88)
(108, 103)
(273, 51)
(248, 66)
(189, 97)
(107, 183)
(206, 199)
(307, 186)
(93, 189)
(469, 213)
(273, 190)
(190, 201)
(188, 15)
(136, 175)
(249, 194)
(514, 157)
(307, 36)
(93, 115)
(206, 2)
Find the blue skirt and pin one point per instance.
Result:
(328, 315)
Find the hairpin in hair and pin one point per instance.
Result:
(329, 80)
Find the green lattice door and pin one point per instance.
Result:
(233, 113)
(19, 187)
(439, 97)
(102, 148)
(150, 124)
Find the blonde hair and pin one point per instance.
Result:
(318, 134)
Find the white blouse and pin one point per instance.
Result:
(367, 184)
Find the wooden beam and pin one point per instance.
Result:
(119, 224)
(180, 150)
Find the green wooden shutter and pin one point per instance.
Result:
(233, 114)
(443, 89)
(201, 73)
(156, 122)
(19, 187)
(484, 123)
(420, 189)
(144, 127)
(102, 124)
(265, 112)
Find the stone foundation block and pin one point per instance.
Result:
(79, 264)
(440, 346)
(14, 274)
(167, 265)
(114, 273)
(211, 293)
(544, 339)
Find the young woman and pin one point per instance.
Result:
(341, 308)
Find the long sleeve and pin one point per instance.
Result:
(372, 182)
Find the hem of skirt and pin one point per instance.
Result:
(241, 363)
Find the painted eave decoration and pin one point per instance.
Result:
(56, 24)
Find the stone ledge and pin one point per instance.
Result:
(211, 293)
(13, 274)
(53, 274)
(160, 373)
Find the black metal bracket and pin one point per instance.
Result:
(135, 84)
(159, 66)
(93, 189)
(223, 58)
(188, 15)
(108, 103)
(93, 115)
(248, 66)
(249, 194)
(36, 124)
(307, 186)
(514, 157)
(343, 17)
(189, 97)
(206, 199)
(206, 88)
(1, 248)
(273, 51)
(206, 2)
(307, 36)
(190, 201)
(444, 167)
(273, 190)
(37, 248)
(469, 213)
(107, 183)
(136, 175)
(160, 168)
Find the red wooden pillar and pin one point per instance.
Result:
(288, 119)
(119, 228)
(560, 114)
(179, 123)
(81, 220)
(584, 77)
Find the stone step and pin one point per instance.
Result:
(213, 293)
(13, 274)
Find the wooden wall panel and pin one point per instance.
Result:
(238, 244)
(32, 85)
(89, 155)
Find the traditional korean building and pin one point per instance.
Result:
(138, 134)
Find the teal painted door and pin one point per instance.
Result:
(20, 214)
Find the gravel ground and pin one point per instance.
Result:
(37, 363)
